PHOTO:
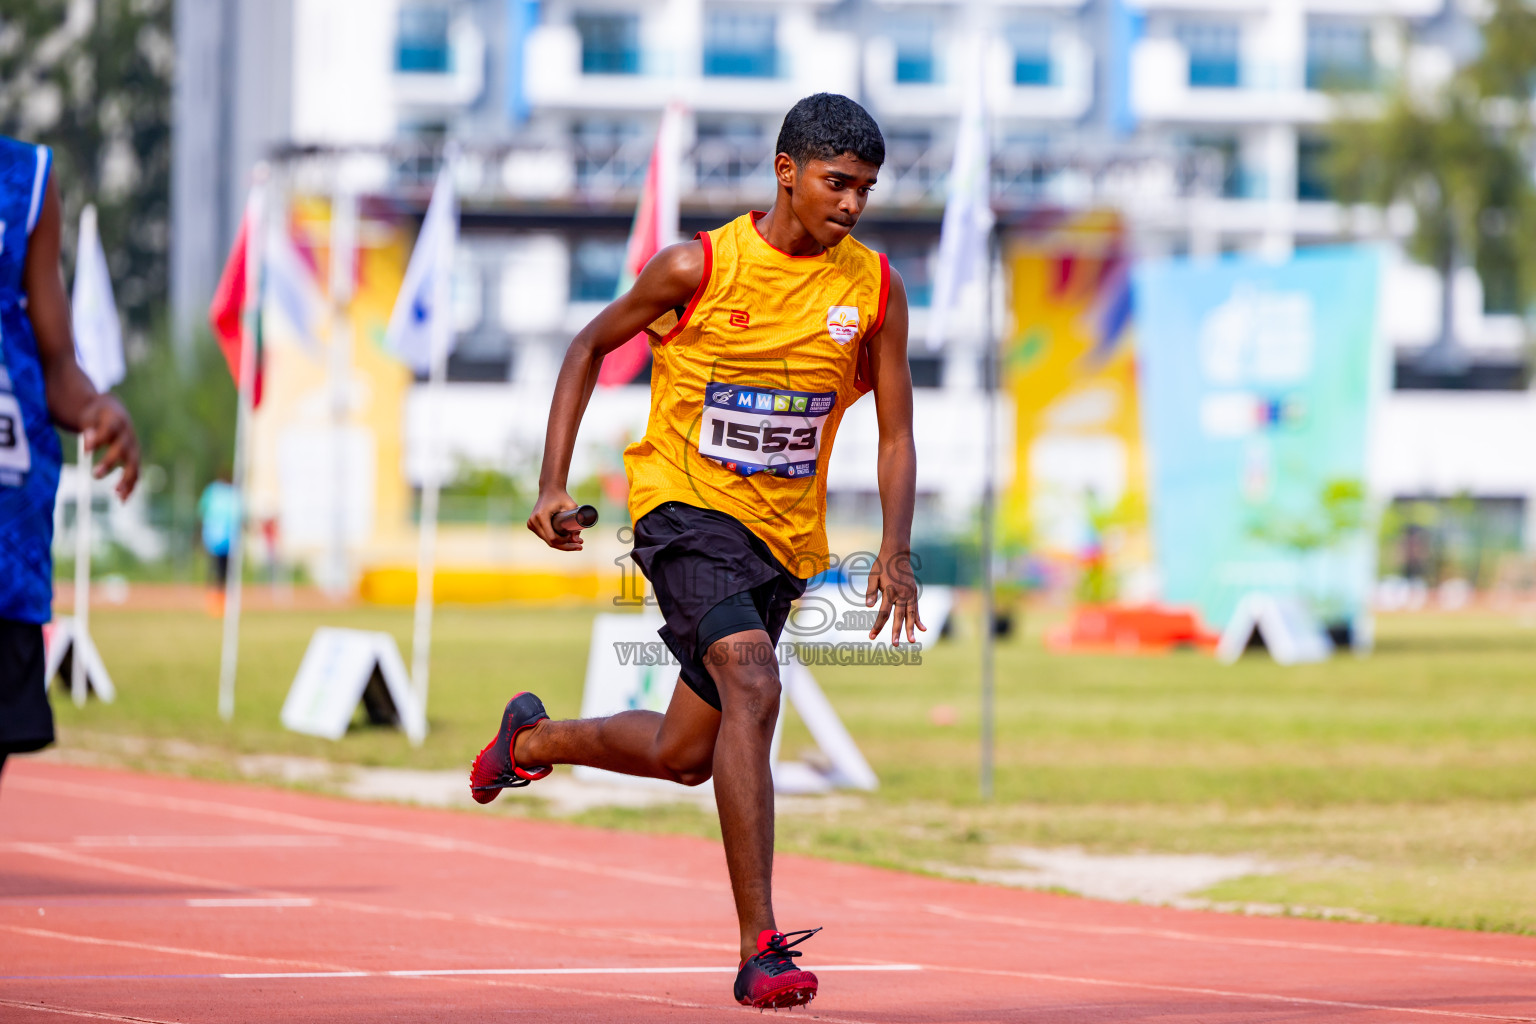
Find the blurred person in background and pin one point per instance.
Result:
(219, 510)
(763, 333)
(41, 387)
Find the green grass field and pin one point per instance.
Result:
(1400, 786)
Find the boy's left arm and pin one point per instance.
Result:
(73, 401)
(892, 576)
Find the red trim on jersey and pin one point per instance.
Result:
(709, 266)
(862, 379)
(755, 215)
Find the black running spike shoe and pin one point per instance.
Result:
(494, 770)
(770, 979)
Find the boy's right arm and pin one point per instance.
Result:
(668, 281)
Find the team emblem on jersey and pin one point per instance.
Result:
(843, 323)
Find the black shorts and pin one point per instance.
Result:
(696, 559)
(26, 719)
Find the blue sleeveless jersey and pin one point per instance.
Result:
(29, 448)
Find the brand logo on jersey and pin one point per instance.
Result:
(843, 323)
(739, 318)
(722, 398)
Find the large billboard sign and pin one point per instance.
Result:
(1258, 384)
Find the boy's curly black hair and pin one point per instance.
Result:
(827, 125)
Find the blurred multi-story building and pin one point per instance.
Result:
(1200, 120)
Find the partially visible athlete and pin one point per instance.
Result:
(763, 332)
(41, 386)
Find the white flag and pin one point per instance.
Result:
(967, 226)
(98, 335)
(291, 288)
(415, 323)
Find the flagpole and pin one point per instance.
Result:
(81, 629)
(246, 393)
(988, 514)
(343, 246)
(440, 341)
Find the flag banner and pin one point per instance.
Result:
(1077, 502)
(410, 331)
(227, 313)
(291, 288)
(655, 228)
(968, 219)
(1259, 381)
(98, 333)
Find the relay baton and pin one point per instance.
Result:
(574, 520)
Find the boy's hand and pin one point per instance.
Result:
(105, 424)
(541, 522)
(892, 579)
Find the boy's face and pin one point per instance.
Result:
(827, 196)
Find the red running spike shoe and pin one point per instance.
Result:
(770, 979)
(494, 770)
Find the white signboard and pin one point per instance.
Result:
(62, 648)
(343, 667)
(1290, 633)
(834, 612)
(629, 668)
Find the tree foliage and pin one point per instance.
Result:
(93, 82)
(1459, 155)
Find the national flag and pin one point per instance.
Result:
(98, 334)
(655, 227)
(429, 276)
(291, 287)
(231, 314)
(967, 227)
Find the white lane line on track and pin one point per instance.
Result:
(148, 947)
(643, 938)
(1224, 940)
(1229, 994)
(255, 901)
(471, 972)
(174, 842)
(112, 794)
(116, 795)
(69, 1012)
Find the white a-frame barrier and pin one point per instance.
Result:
(628, 668)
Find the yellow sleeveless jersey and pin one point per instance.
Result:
(750, 382)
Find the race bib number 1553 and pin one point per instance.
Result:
(761, 430)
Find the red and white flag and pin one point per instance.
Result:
(655, 227)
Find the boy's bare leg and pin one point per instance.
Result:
(688, 744)
(747, 674)
(679, 745)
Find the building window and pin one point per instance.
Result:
(1339, 56)
(915, 64)
(1227, 166)
(731, 153)
(1213, 54)
(909, 258)
(1031, 54)
(611, 155)
(1311, 170)
(610, 43)
(422, 42)
(741, 44)
(927, 371)
(597, 264)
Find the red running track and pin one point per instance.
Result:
(127, 897)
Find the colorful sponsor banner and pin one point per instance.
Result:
(1258, 382)
(1078, 498)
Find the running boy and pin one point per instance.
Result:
(41, 386)
(763, 333)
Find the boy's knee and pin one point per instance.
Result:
(753, 691)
